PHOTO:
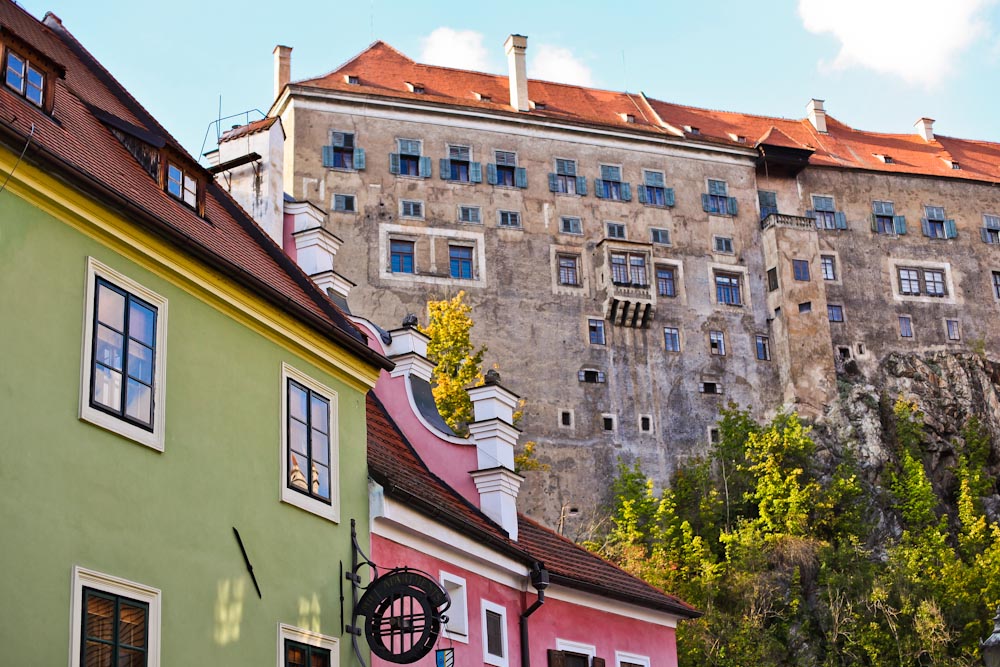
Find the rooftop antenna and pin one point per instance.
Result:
(624, 71)
(218, 124)
(373, 22)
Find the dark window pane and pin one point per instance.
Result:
(132, 625)
(494, 633)
(100, 618)
(97, 655)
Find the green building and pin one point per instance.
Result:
(168, 376)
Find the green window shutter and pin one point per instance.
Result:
(706, 203)
(874, 221)
(641, 192)
(925, 226)
(425, 167)
(327, 156)
(337, 139)
(553, 182)
(599, 188)
(717, 188)
(444, 165)
(359, 159)
(812, 214)
(393, 163)
(840, 220)
(338, 202)
(732, 205)
(476, 172)
(668, 197)
(521, 177)
(984, 234)
(609, 173)
(491, 173)
(581, 185)
(950, 229)
(767, 199)
(654, 178)
(626, 192)
(899, 222)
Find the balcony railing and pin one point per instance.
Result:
(783, 220)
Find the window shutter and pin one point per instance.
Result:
(668, 197)
(444, 164)
(521, 177)
(609, 173)
(558, 658)
(950, 229)
(767, 199)
(491, 173)
(425, 167)
(599, 188)
(327, 156)
(476, 172)
(597, 662)
(581, 185)
(553, 182)
(984, 234)
(654, 178)
(840, 220)
(393, 163)
(626, 192)
(925, 226)
(731, 203)
(899, 222)
(992, 222)
(717, 188)
(706, 203)
(359, 159)
(337, 139)
(338, 202)
(874, 223)
(641, 190)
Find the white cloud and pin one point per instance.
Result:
(554, 63)
(917, 40)
(455, 48)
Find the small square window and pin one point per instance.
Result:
(608, 422)
(828, 264)
(494, 634)
(409, 208)
(344, 203)
(569, 270)
(470, 214)
(951, 327)
(671, 339)
(509, 219)
(596, 331)
(616, 230)
(310, 460)
(710, 388)
(717, 343)
(723, 244)
(835, 313)
(772, 279)
(905, 326)
(763, 345)
(659, 236)
(569, 225)
(800, 269)
(353, 80)
(805, 307)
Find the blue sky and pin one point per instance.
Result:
(879, 64)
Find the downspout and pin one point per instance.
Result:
(540, 580)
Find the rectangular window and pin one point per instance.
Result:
(304, 655)
(665, 281)
(671, 339)
(182, 185)
(645, 423)
(716, 200)
(805, 307)
(637, 270)
(341, 153)
(800, 269)
(905, 326)
(564, 179)
(990, 231)
(409, 161)
(610, 186)
(723, 244)
(710, 388)
(913, 282)
(717, 343)
(470, 214)
(509, 219)
(772, 279)
(506, 167)
(884, 218)
(25, 79)
(934, 282)
(909, 281)
(115, 622)
(935, 225)
(590, 376)
(653, 191)
(569, 270)
(566, 418)
(835, 313)
(951, 326)
(494, 634)
(301, 648)
(763, 345)
(568, 225)
(659, 236)
(616, 230)
(458, 165)
(344, 203)
(123, 361)
(768, 203)
(310, 462)
(619, 269)
(458, 613)
(596, 331)
(460, 261)
(996, 284)
(409, 208)
(828, 264)
(727, 289)
(401, 256)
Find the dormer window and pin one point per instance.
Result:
(628, 118)
(483, 97)
(415, 87)
(690, 129)
(24, 78)
(182, 185)
(539, 106)
(353, 80)
(887, 159)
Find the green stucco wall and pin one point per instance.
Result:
(74, 494)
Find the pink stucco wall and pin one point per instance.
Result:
(287, 240)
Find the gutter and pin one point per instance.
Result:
(540, 581)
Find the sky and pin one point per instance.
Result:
(879, 64)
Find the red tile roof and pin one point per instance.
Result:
(394, 464)
(248, 129)
(383, 71)
(76, 144)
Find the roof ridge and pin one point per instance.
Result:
(357, 55)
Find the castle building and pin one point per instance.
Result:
(637, 264)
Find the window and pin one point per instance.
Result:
(653, 191)
(341, 153)
(628, 269)
(631, 660)
(505, 172)
(470, 214)
(569, 225)
(990, 232)
(645, 423)
(723, 244)
(458, 166)
(934, 282)
(659, 236)
(123, 374)
(671, 339)
(768, 203)
(727, 289)
(665, 281)
(607, 422)
(914, 282)
(951, 327)
(996, 284)
(610, 186)
(460, 261)
(303, 648)
(25, 79)
(590, 376)
(637, 270)
(763, 345)
(717, 201)
(905, 326)
(310, 464)
(714, 436)
(115, 622)
(835, 313)
(805, 307)
(409, 208)
(344, 203)
(800, 269)
(353, 80)
(569, 270)
(596, 331)
(566, 418)
(824, 214)
(710, 388)
(458, 614)
(935, 225)
(717, 343)
(408, 161)
(564, 179)
(885, 220)
(401, 256)
(304, 655)
(509, 219)
(909, 281)
(494, 634)
(616, 230)
(772, 279)
(182, 185)
(828, 266)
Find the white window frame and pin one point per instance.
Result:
(572, 418)
(665, 231)
(652, 426)
(423, 209)
(314, 639)
(489, 658)
(580, 648)
(457, 628)
(82, 578)
(607, 230)
(632, 658)
(289, 495)
(155, 438)
(614, 424)
(479, 214)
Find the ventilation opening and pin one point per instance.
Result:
(608, 423)
(713, 436)
(844, 353)
(645, 424)
(566, 418)
(861, 348)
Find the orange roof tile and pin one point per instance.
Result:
(250, 128)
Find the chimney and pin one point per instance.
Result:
(817, 114)
(495, 435)
(925, 128)
(517, 74)
(408, 350)
(282, 68)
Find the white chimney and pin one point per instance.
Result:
(925, 128)
(408, 350)
(816, 114)
(517, 72)
(495, 436)
(282, 68)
